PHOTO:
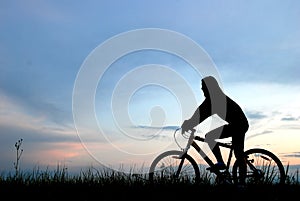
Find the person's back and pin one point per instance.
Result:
(235, 115)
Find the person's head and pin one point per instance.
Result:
(210, 87)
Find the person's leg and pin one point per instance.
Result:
(238, 147)
(210, 138)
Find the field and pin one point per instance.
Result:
(92, 184)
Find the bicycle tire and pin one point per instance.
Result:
(269, 168)
(164, 167)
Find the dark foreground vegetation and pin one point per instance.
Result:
(111, 185)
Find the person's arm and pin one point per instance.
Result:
(192, 122)
(195, 119)
(201, 113)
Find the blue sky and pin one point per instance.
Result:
(255, 46)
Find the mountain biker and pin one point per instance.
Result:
(217, 102)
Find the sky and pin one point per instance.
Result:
(92, 83)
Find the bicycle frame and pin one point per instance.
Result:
(262, 165)
(192, 142)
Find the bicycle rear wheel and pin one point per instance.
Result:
(263, 167)
(168, 168)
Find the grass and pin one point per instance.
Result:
(106, 184)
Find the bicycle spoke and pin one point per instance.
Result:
(263, 167)
(167, 168)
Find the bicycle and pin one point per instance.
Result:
(263, 166)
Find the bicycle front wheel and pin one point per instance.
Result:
(169, 168)
(263, 167)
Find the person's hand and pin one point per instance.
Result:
(185, 127)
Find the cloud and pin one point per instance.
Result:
(255, 115)
(20, 101)
(258, 134)
(172, 128)
(44, 142)
(289, 118)
(153, 132)
(15, 120)
(291, 154)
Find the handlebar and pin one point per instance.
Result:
(190, 138)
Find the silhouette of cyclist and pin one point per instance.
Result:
(217, 102)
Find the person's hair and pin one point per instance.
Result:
(215, 95)
(212, 85)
